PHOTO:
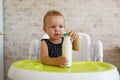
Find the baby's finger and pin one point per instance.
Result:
(63, 66)
(70, 33)
(73, 35)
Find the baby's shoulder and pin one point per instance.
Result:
(45, 40)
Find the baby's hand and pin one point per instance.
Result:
(61, 61)
(73, 35)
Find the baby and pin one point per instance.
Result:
(51, 49)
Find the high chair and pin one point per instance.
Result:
(83, 66)
(89, 50)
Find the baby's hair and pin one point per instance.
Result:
(51, 13)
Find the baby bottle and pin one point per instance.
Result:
(67, 49)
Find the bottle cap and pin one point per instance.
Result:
(65, 34)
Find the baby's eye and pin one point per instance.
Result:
(52, 26)
(61, 26)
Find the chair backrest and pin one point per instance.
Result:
(85, 48)
(84, 54)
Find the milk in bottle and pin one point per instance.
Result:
(67, 49)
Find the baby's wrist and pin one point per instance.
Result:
(56, 62)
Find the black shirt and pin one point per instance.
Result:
(54, 50)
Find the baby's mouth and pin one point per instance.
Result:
(57, 34)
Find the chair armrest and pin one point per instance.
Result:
(34, 49)
(97, 51)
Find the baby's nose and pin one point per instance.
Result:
(57, 29)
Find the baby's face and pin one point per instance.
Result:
(55, 26)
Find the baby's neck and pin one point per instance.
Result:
(57, 41)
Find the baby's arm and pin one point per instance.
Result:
(75, 40)
(59, 61)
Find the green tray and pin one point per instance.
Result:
(77, 67)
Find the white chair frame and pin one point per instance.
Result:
(89, 50)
